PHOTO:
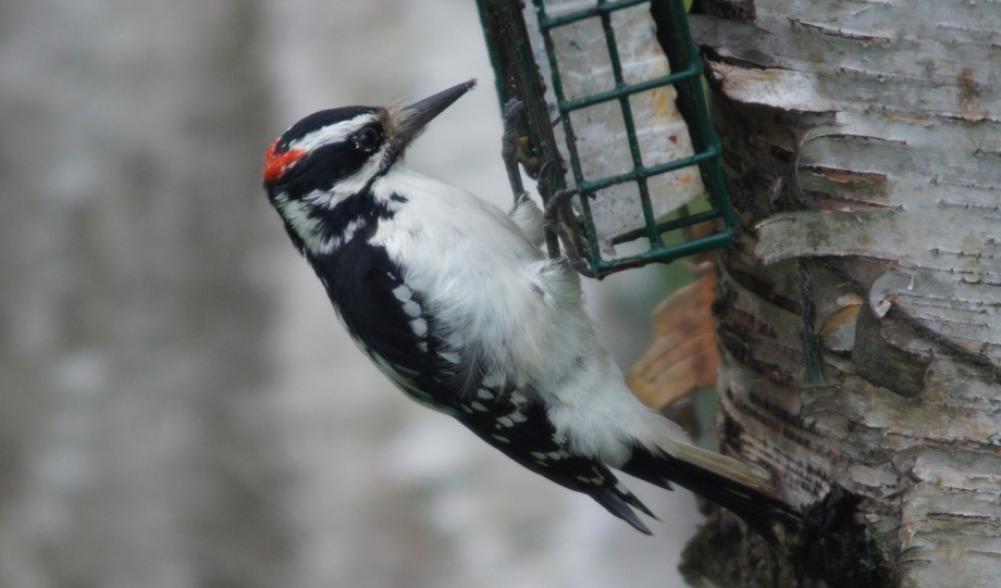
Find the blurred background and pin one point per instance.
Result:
(178, 404)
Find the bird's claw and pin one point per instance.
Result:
(555, 202)
(572, 246)
(510, 143)
(512, 110)
(512, 153)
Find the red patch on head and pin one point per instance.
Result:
(276, 164)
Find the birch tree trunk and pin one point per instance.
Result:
(860, 316)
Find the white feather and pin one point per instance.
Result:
(519, 312)
(332, 133)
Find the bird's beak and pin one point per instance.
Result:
(411, 119)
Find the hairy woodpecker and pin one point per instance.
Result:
(455, 302)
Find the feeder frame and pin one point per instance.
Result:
(517, 76)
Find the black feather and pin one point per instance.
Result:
(360, 279)
(759, 510)
(615, 504)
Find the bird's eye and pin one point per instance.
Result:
(367, 139)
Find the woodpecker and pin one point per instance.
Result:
(457, 305)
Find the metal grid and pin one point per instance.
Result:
(507, 39)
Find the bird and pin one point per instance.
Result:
(456, 303)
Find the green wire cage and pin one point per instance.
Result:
(518, 76)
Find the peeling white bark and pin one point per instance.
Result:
(880, 124)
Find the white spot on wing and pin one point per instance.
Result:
(412, 308)
(451, 357)
(484, 394)
(493, 380)
(419, 326)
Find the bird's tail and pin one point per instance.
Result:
(742, 489)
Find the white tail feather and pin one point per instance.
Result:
(728, 467)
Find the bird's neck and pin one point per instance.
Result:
(321, 222)
(318, 227)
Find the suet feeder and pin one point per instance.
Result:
(592, 90)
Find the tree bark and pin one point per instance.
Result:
(859, 318)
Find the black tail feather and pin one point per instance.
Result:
(635, 502)
(618, 504)
(756, 508)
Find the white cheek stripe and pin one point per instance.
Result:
(334, 133)
(310, 229)
(350, 185)
(331, 244)
(297, 215)
(358, 180)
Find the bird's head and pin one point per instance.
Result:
(332, 155)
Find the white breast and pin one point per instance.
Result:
(519, 312)
(482, 276)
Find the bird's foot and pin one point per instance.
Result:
(512, 144)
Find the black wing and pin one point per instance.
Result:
(511, 422)
(390, 321)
